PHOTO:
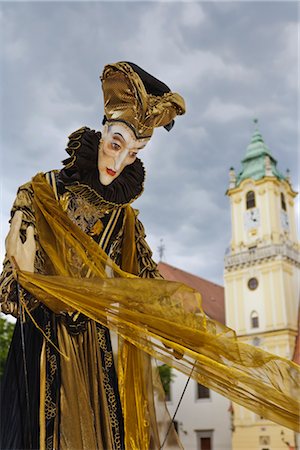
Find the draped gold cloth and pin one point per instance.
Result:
(153, 317)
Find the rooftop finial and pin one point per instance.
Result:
(232, 178)
(161, 250)
(268, 166)
(255, 121)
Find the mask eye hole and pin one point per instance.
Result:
(115, 146)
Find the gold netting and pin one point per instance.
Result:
(150, 314)
(146, 418)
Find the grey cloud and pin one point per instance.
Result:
(231, 61)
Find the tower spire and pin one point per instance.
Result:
(258, 161)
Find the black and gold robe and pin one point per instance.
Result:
(52, 402)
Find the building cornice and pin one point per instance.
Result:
(261, 181)
(266, 253)
(276, 332)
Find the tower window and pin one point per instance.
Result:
(250, 200)
(252, 284)
(283, 204)
(254, 320)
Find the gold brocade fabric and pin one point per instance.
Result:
(151, 315)
(83, 393)
(126, 100)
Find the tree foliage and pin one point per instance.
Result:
(166, 377)
(6, 332)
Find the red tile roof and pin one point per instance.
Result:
(212, 294)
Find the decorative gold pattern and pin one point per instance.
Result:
(49, 443)
(110, 393)
(90, 195)
(84, 214)
(50, 407)
(147, 268)
(74, 146)
(64, 200)
(86, 208)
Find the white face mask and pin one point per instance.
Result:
(118, 148)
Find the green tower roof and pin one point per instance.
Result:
(258, 162)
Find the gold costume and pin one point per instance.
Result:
(149, 313)
(94, 273)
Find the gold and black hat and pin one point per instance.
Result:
(141, 101)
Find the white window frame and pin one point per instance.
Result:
(204, 434)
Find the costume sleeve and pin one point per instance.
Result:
(8, 285)
(147, 268)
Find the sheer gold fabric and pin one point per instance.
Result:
(151, 315)
(85, 422)
(147, 421)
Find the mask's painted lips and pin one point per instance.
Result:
(110, 172)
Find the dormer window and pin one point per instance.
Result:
(250, 200)
(283, 204)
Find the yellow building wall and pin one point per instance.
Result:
(268, 201)
(276, 299)
(256, 433)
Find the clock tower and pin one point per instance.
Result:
(262, 276)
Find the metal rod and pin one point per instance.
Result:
(177, 407)
(24, 363)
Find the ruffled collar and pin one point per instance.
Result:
(81, 172)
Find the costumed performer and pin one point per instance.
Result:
(60, 388)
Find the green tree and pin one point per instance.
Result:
(6, 332)
(166, 377)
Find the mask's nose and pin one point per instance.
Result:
(119, 159)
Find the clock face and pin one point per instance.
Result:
(252, 218)
(284, 220)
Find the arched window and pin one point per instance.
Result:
(283, 204)
(250, 200)
(254, 320)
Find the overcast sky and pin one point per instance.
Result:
(231, 61)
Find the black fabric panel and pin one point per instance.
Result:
(152, 85)
(113, 381)
(16, 424)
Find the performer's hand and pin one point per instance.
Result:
(20, 255)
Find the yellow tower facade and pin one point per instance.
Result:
(262, 277)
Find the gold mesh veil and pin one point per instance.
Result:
(151, 315)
